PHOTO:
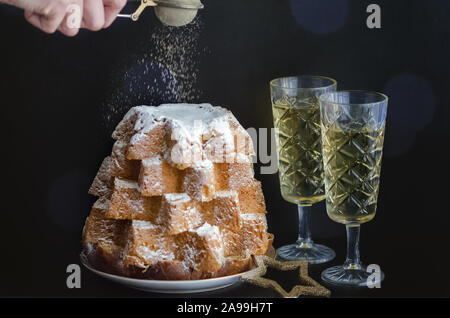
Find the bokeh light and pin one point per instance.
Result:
(442, 7)
(320, 16)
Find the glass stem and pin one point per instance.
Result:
(304, 233)
(352, 261)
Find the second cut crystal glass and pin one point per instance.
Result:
(296, 116)
(353, 125)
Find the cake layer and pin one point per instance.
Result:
(234, 176)
(183, 134)
(127, 203)
(179, 213)
(147, 245)
(251, 238)
(201, 249)
(104, 239)
(142, 249)
(169, 270)
(157, 177)
(114, 166)
(254, 233)
(233, 243)
(200, 181)
(178, 210)
(103, 183)
(251, 198)
(197, 254)
(234, 265)
(121, 167)
(242, 140)
(223, 211)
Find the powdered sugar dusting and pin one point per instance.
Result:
(227, 194)
(154, 161)
(204, 165)
(102, 204)
(164, 71)
(214, 236)
(144, 225)
(207, 229)
(251, 216)
(199, 132)
(154, 255)
(194, 118)
(177, 198)
(123, 183)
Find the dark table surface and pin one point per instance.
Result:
(92, 285)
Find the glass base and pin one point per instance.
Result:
(340, 276)
(313, 253)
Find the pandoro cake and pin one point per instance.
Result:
(177, 197)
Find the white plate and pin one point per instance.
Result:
(165, 286)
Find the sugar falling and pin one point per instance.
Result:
(167, 72)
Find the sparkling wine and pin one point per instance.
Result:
(352, 172)
(298, 139)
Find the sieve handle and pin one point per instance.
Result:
(120, 15)
(135, 16)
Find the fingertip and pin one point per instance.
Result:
(108, 24)
(94, 15)
(70, 32)
(71, 35)
(49, 30)
(93, 24)
(48, 26)
(121, 3)
(27, 14)
(94, 27)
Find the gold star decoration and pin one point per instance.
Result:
(306, 287)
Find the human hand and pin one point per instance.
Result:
(68, 16)
(100, 14)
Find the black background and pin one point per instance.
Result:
(54, 136)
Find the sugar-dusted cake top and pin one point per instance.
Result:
(185, 114)
(188, 133)
(192, 119)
